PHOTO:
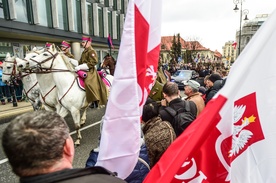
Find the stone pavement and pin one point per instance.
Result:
(8, 109)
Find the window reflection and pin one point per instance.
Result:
(42, 12)
(77, 17)
(1, 10)
(62, 14)
(21, 11)
(100, 15)
(90, 18)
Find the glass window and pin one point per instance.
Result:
(77, 17)
(101, 25)
(21, 11)
(118, 27)
(1, 10)
(106, 3)
(90, 18)
(45, 14)
(114, 4)
(62, 14)
(109, 14)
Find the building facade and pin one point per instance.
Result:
(229, 51)
(249, 28)
(25, 24)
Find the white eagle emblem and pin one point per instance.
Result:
(240, 135)
(93, 54)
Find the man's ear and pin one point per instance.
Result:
(68, 148)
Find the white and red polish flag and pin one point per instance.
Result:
(134, 76)
(233, 139)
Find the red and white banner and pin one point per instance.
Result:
(134, 76)
(233, 138)
(234, 45)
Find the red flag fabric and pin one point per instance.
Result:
(234, 45)
(232, 139)
(109, 42)
(135, 73)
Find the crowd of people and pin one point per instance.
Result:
(5, 89)
(162, 121)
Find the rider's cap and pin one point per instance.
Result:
(86, 38)
(47, 45)
(65, 44)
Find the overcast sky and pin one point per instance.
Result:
(213, 22)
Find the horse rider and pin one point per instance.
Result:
(111, 64)
(65, 47)
(47, 45)
(96, 91)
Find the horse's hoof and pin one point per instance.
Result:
(77, 143)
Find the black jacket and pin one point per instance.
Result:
(80, 175)
(210, 93)
(175, 104)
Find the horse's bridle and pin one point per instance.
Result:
(53, 57)
(13, 73)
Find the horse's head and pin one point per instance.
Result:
(23, 64)
(9, 68)
(45, 59)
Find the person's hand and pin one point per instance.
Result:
(163, 102)
(77, 68)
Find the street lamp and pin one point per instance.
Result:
(242, 12)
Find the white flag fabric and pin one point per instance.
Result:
(134, 76)
(233, 139)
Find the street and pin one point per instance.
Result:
(90, 134)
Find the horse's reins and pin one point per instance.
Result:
(50, 70)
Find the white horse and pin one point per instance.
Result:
(70, 96)
(30, 85)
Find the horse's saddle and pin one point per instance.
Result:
(82, 75)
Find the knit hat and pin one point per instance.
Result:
(214, 77)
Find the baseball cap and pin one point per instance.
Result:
(192, 83)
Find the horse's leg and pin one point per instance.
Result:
(76, 117)
(83, 117)
(62, 111)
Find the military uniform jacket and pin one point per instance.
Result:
(68, 54)
(94, 86)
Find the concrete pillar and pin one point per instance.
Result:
(76, 50)
(35, 12)
(13, 14)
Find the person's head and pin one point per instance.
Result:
(150, 110)
(170, 91)
(191, 87)
(65, 46)
(38, 143)
(86, 41)
(47, 45)
(212, 78)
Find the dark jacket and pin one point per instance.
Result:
(210, 93)
(81, 175)
(140, 171)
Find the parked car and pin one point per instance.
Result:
(183, 75)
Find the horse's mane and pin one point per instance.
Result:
(66, 61)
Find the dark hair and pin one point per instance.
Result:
(150, 110)
(170, 89)
(34, 141)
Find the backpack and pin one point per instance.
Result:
(182, 117)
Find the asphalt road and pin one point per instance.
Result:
(90, 134)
